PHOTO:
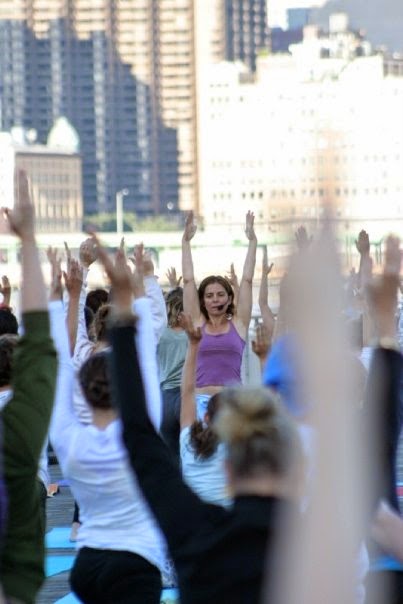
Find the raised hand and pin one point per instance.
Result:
(88, 252)
(382, 291)
(193, 333)
(190, 227)
(5, 290)
(362, 243)
(68, 255)
(148, 264)
(393, 257)
(232, 277)
(119, 274)
(56, 289)
(302, 239)
(266, 268)
(21, 217)
(73, 278)
(249, 226)
(262, 342)
(173, 280)
(52, 256)
(140, 260)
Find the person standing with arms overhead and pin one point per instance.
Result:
(26, 416)
(224, 327)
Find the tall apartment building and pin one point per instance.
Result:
(324, 123)
(246, 30)
(126, 75)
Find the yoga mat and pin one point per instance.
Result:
(63, 483)
(58, 564)
(386, 563)
(69, 599)
(58, 538)
(168, 596)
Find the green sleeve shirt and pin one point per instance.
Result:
(25, 425)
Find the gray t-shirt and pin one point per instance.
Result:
(171, 353)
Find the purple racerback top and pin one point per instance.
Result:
(219, 358)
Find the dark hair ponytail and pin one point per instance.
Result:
(203, 438)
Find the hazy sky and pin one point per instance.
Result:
(276, 9)
(381, 19)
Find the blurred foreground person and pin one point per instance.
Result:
(219, 554)
(26, 417)
(384, 419)
(320, 554)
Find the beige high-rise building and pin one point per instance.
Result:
(127, 75)
(150, 42)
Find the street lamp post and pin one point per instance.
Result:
(119, 210)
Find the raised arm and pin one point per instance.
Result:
(365, 269)
(75, 313)
(5, 291)
(383, 399)
(265, 310)
(244, 309)
(177, 510)
(232, 279)
(21, 221)
(173, 280)
(188, 403)
(64, 418)
(191, 304)
(154, 293)
(26, 417)
(145, 336)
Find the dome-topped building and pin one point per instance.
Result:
(64, 136)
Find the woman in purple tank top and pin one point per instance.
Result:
(211, 306)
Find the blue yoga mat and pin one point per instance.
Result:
(58, 538)
(386, 563)
(69, 599)
(63, 482)
(58, 564)
(168, 596)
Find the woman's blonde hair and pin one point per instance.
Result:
(174, 304)
(100, 323)
(260, 435)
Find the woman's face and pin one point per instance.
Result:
(216, 300)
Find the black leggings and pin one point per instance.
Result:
(114, 577)
(170, 426)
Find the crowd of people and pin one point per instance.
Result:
(181, 474)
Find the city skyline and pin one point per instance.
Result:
(127, 76)
(381, 20)
(134, 82)
(320, 125)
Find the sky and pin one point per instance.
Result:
(381, 19)
(276, 9)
